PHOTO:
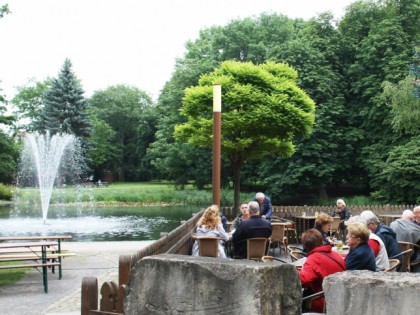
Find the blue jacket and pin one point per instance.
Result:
(265, 208)
(361, 258)
(255, 226)
(389, 238)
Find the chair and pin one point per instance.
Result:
(256, 248)
(208, 246)
(307, 302)
(296, 255)
(404, 246)
(335, 226)
(405, 263)
(393, 264)
(278, 236)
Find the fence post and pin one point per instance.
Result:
(124, 267)
(89, 295)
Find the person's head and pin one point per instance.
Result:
(210, 218)
(260, 197)
(355, 218)
(244, 207)
(372, 220)
(323, 221)
(416, 212)
(341, 204)
(408, 215)
(357, 234)
(311, 239)
(254, 208)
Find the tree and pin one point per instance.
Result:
(263, 112)
(65, 109)
(29, 103)
(124, 109)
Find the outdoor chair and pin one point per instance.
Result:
(405, 260)
(415, 248)
(256, 248)
(296, 255)
(307, 302)
(278, 237)
(208, 246)
(393, 264)
(335, 227)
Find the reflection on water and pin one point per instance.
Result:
(94, 224)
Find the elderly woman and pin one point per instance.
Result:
(210, 225)
(321, 261)
(361, 256)
(323, 224)
(343, 212)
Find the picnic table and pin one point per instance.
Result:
(44, 250)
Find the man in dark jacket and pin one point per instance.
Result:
(386, 234)
(255, 226)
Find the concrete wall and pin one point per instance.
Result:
(366, 292)
(177, 284)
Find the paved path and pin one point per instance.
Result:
(93, 259)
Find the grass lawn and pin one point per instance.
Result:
(11, 276)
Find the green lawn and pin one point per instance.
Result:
(11, 276)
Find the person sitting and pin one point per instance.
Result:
(375, 242)
(321, 261)
(264, 202)
(386, 234)
(210, 225)
(361, 255)
(323, 224)
(416, 212)
(344, 213)
(407, 231)
(242, 216)
(255, 226)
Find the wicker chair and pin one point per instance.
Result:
(256, 248)
(393, 264)
(208, 246)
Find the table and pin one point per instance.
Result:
(303, 223)
(43, 257)
(388, 218)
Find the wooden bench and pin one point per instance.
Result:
(50, 255)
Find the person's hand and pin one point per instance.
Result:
(264, 217)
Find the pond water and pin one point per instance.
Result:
(94, 223)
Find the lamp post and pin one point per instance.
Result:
(217, 130)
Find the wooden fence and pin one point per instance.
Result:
(289, 212)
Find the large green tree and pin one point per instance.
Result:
(65, 108)
(263, 112)
(123, 113)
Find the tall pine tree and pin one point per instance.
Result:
(65, 108)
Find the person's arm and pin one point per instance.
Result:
(235, 224)
(346, 214)
(269, 212)
(222, 233)
(307, 274)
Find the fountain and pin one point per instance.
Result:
(47, 152)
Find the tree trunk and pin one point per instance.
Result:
(322, 192)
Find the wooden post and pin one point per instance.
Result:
(217, 130)
(89, 295)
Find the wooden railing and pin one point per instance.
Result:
(112, 294)
(288, 212)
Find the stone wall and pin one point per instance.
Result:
(177, 284)
(366, 292)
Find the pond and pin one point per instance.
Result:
(127, 223)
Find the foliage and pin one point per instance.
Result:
(11, 276)
(29, 103)
(263, 110)
(4, 9)
(122, 112)
(65, 108)
(8, 151)
(6, 192)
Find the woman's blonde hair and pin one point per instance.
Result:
(323, 218)
(210, 218)
(359, 230)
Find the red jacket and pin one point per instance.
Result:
(317, 266)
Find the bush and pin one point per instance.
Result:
(6, 192)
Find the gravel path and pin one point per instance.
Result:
(93, 259)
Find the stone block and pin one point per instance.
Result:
(178, 284)
(366, 292)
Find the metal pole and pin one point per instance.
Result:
(217, 131)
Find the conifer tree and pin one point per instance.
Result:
(65, 108)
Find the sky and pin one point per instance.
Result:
(111, 42)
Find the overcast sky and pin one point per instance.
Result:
(111, 42)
